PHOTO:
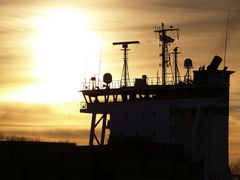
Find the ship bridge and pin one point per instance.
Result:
(206, 83)
(108, 97)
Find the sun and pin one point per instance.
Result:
(65, 51)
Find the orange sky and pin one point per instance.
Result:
(48, 47)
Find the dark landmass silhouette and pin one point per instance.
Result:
(22, 160)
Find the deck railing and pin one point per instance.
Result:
(95, 85)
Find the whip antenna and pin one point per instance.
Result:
(226, 35)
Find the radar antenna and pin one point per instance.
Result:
(125, 79)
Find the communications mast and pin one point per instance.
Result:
(165, 41)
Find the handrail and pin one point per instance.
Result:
(98, 85)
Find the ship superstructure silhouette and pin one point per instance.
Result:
(192, 112)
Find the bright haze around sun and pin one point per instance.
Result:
(48, 48)
(62, 47)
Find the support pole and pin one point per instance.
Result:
(104, 123)
(93, 137)
(163, 56)
(176, 71)
(175, 65)
(125, 65)
(92, 131)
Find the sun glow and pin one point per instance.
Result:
(65, 52)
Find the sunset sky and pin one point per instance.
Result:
(48, 47)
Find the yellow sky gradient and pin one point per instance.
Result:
(48, 47)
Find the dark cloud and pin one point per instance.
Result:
(194, 4)
(165, 5)
(23, 2)
(235, 108)
(11, 113)
(236, 93)
(44, 122)
(40, 115)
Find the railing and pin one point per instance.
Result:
(95, 85)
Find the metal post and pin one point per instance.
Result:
(163, 55)
(92, 131)
(94, 124)
(104, 123)
(125, 65)
(176, 71)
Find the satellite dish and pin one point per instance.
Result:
(188, 63)
(107, 78)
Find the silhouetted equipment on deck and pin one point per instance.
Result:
(125, 43)
(166, 40)
(141, 82)
(93, 80)
(125, 79)
(212, 75)
(193, 113)
(107, 78)
(176, 70)
(188, 65)
(215, 63)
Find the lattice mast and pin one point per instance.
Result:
(125, 78)
(164, 42)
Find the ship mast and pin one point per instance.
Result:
(165, 41)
